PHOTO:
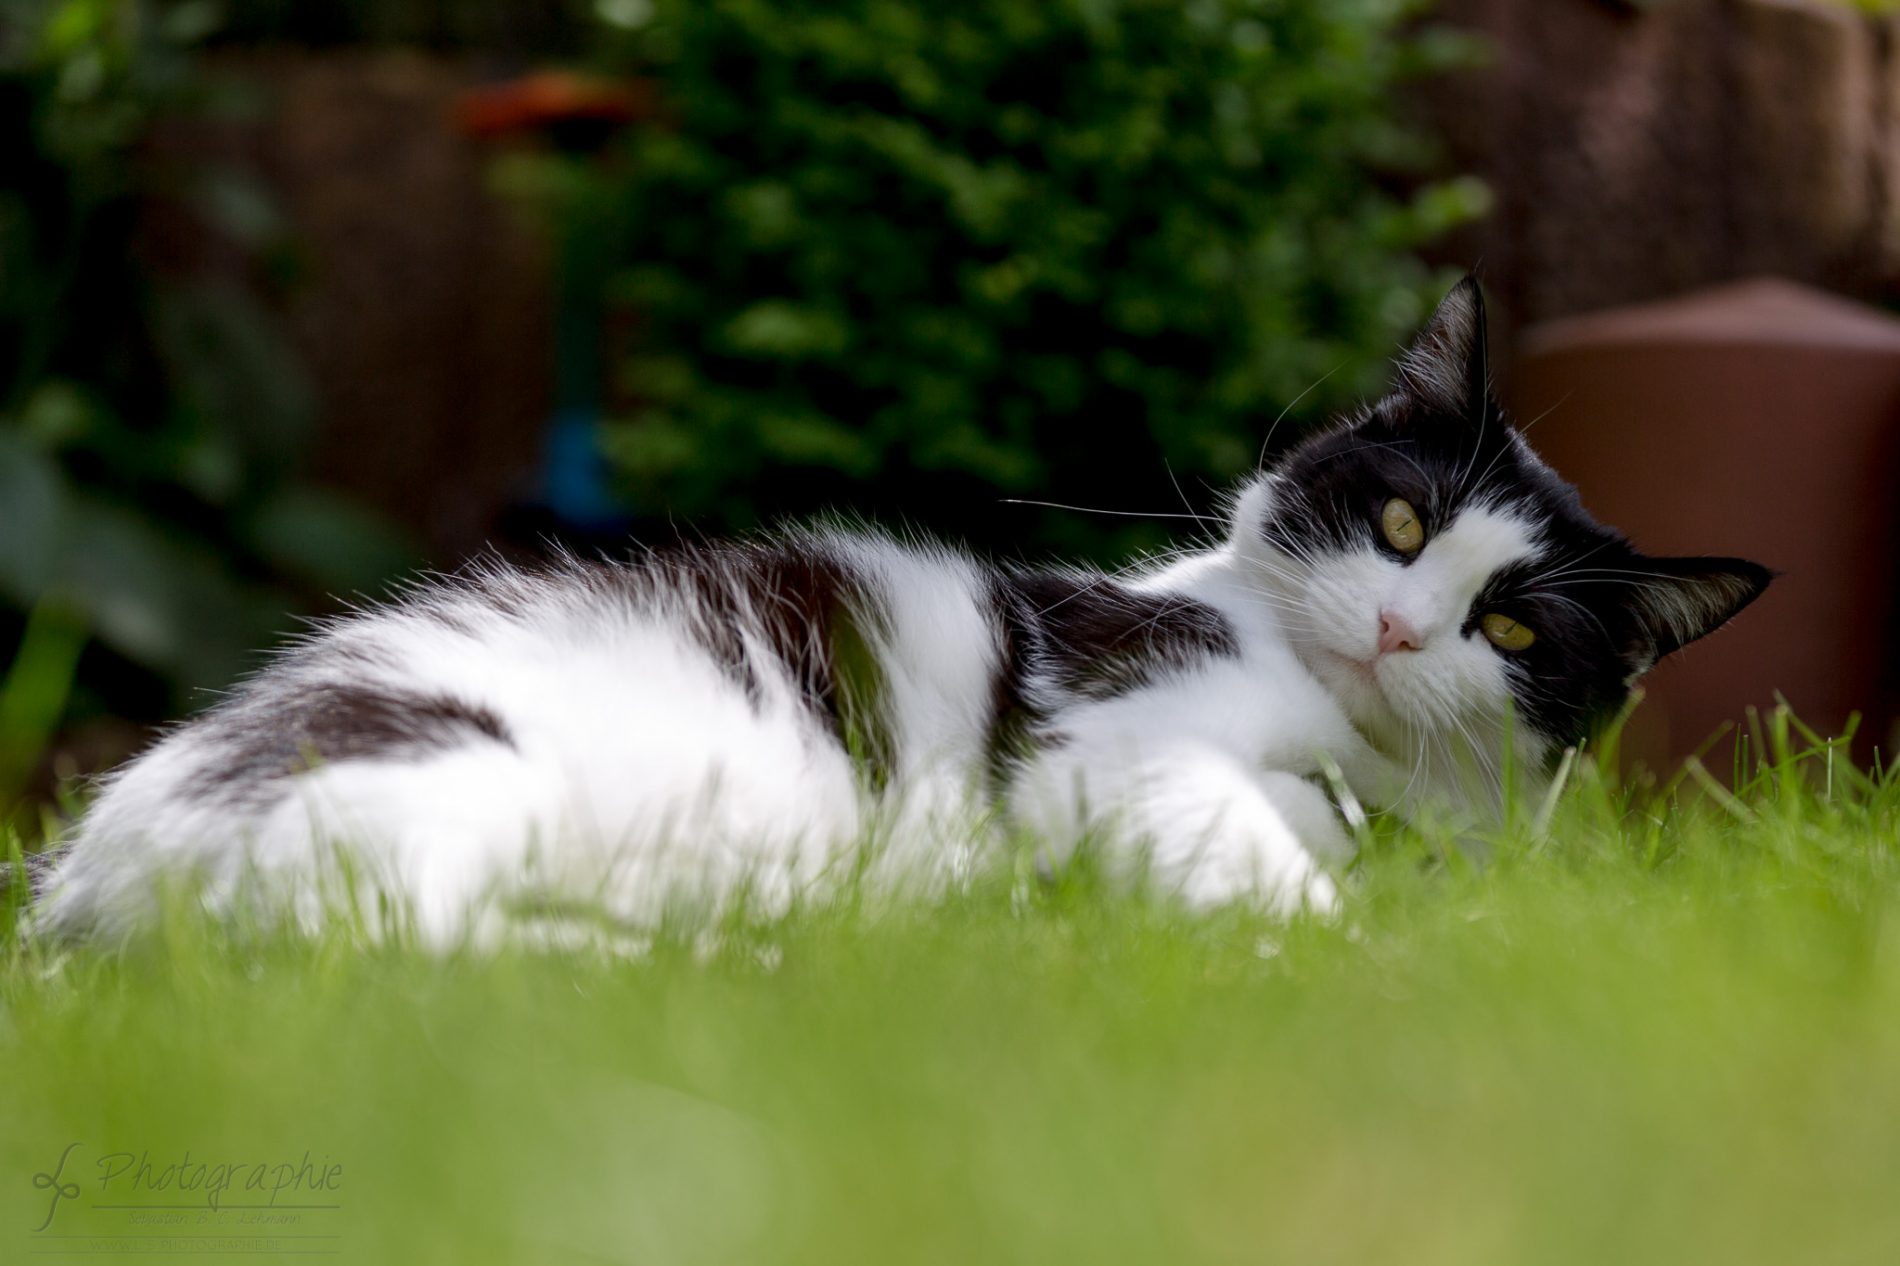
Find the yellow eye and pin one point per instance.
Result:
(1402, 529)
(1505, 633)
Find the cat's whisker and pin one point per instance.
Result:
(1108, 578)
(1292, 404)
(1524, 428)
(1487, 768)
(1489, 467)
(1305, 616)
(1120, 514)
(1586, 574)
(1185, 503)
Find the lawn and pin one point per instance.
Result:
(1664, 1028)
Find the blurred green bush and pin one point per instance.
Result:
(150, 424)
(915, 256)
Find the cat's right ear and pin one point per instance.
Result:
(1677, 600)
(1448, 366)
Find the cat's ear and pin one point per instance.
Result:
(1448, 367)
(1677, 600)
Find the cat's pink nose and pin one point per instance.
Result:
(1397, 634)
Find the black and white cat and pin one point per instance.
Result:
(1401, 596)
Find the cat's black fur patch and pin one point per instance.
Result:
(269, 736)
(1101, 638)
(800, 606)
(1089, 637)
(1016, 719)
(777, 599)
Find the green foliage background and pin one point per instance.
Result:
(1074, 250)
(151, 422)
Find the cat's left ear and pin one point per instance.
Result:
(1677, 600)
(1448, 367)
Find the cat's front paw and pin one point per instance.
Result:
(1281, 882)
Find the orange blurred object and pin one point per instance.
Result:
(549, 98)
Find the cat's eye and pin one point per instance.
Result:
(1505, 633)
(1403, 531)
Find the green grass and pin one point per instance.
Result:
(1665, 1030)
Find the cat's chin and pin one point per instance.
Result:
(1354, 684)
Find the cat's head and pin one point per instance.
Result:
(1437, 576)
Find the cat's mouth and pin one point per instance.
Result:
(1355, 684)
(1364, 671)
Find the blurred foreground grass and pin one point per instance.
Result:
(1663, 1031)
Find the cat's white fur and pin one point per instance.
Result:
(640, 773)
